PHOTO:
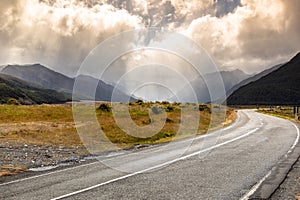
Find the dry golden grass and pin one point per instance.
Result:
(285, 112)
(10, 170)
(54, 124)
(36, 113)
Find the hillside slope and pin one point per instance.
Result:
(252, 79)
(49, 79)
(280, 87)
(27, 93)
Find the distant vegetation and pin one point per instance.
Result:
(16, 91)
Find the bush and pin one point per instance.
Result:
(169, 109)
(168, 134)
(176, 104)
(168, 120)
(13, 101)
(204, 108)
(104, 107)
(139, 102)
(147, 122)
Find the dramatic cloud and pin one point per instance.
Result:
(258, 34)
(60, 33)
(246, 34)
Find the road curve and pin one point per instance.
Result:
(225, 164)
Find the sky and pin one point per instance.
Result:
(250, 35)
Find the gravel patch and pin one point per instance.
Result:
(32, 156)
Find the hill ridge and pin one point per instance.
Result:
(280, 87)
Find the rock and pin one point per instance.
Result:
(48, 156)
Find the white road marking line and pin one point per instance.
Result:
(157, 166)
(297, 140)
(96, 162)
(256, 186)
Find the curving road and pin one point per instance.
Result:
(225, 164)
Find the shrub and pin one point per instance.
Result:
(147, 122)
(168, 134)
(169, 109)
(176, 104)
(13, 101)
(104, 107)
(168, 120)
(139, 102)
(204, 108)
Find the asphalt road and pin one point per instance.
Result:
(225, 164)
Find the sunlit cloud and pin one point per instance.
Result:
(249, 34)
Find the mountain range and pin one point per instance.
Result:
(49, 79)
(40, 75)
(30, 84)
(199, 85)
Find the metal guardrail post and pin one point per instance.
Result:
(296, 112)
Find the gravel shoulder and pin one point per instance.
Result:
(290, 188)
(16, 157)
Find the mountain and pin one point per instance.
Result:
(280, 87)
(40, 75)
(230, 78)
(27, 93)
(252, 79)
(104, 91)
(199, 85)
(49, 79)
(1, 67)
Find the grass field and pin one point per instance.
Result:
(285, 112)
(54, 124)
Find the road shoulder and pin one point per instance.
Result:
(277, 185)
